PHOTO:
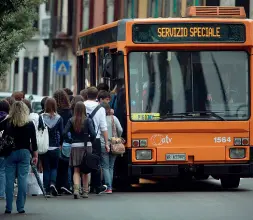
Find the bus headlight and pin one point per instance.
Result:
(143, 154)
(237, 153)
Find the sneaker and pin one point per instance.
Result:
(7, 212)
(54, 190)
(65, 190)
(108, 191)
(22, 212)
(101, 189)
(81, 191)
(48, 195)
(85, 195)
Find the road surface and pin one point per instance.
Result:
(203, 200)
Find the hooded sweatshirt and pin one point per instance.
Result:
(55, 130)
(2, 116)
(99, 118)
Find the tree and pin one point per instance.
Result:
(16, 26)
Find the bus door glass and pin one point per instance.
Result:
(93, 69)
(100, 58)
(80, 73)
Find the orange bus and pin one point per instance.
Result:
(185, 92)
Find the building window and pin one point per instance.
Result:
(117, 10)
(91, 13)
(244, 4)
(132, 8)
(110, 11)
(155, 8)
(16, 66)
(35, 73)
(129, 9)
(47, 5)
(86, 14)
(36, 21)
(212, 2)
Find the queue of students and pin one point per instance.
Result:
(85, 121)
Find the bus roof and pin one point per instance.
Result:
(116, 31)
(212, 12)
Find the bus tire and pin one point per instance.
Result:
(230, 182)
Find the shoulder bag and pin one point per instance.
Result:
(42, 136)
(117, 146)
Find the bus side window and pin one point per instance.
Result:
(86, 59)
(93, 69)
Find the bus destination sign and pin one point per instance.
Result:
(189, 33)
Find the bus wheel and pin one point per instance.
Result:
(230, 182)
(201, 177)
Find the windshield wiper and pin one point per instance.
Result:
(210, 113)
(189, 114)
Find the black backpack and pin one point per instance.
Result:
(93, 113)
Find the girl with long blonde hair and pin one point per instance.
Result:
(22, 130)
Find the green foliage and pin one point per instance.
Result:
(16, 26)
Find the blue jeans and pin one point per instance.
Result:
(107, 163)
(18, 162)
(50, 162)
(2, 177)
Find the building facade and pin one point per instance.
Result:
(26, 72)
(34, 71)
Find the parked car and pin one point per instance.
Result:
(4, 95)
(34, 99)
(35, 102)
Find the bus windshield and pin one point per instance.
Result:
(189, 84)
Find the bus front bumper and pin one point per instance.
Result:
(241, 170)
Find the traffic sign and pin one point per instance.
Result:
(62, 67)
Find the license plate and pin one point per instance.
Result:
(180, 157)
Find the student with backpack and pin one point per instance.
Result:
(50, 159)
(80, 128)
(97, 114)
(64, 110)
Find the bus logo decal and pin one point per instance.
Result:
(159, 139)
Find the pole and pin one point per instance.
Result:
(50, 47)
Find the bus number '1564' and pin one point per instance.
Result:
(222, 139)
